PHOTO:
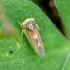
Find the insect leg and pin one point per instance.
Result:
(38, 27)
(21, 34)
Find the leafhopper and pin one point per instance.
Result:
(30, 29)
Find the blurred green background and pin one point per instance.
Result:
(18, 55)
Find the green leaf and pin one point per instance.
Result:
(63, 7)
(23, 57)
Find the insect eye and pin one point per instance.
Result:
(27, 26)
(32, 21)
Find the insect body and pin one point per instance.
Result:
(30, 29)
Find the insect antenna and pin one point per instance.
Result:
(19, 23)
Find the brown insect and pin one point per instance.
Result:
(30, 29)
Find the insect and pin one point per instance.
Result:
(30, 29)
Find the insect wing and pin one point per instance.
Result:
(35, 40)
